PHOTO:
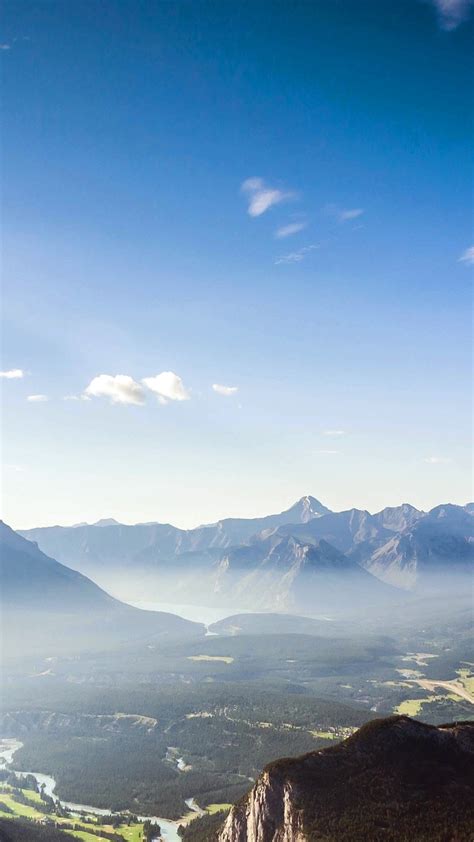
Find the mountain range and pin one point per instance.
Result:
(303, 558)
(109, 542)
(395, 779)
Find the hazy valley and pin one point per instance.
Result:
(362, 624)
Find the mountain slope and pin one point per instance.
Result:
(45, 603)
(436, 551)
(341, 529)
(31, 579)
(395, 779)
(281, 572)
(398, 518)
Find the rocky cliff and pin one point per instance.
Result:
(395, 779)
(268, 813)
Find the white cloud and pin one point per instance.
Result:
(225, 390)
(76, 398)
(437, 460)
(37, 398)
(288, 230)
(350, 213)
(295, 256)
(334, 432)
(261, 197)
(451, 13)
(120, 388)
(12, 374)
(5, 46)
(168, 386)
(343, 214)
(329, 452)
(468, 256)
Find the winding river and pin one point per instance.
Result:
(169, 829)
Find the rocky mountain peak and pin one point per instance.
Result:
(308, 508)
(107, 521)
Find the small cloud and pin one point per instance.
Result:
(343, 214)
(437, 460)
(225, 390)
(467, 257)
(334, 432)
(168, 386)
(329, 452)
(451, 13)
(8, 45)
(12, 374)
(76, 398)
(37, 398)
(17, 469)
(261, 197)
(350, 214)
(295, 256)
(120, 388)
(288, 230)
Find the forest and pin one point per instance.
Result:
(221, 732)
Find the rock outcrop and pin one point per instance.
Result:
(395, 780)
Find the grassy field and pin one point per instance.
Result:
(131, 834)
(217, 808)
(22, 810)
(466, 678)
(84, 831)
(410, 707)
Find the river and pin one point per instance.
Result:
(169, 829)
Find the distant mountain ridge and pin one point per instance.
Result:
(108, 541)
(253, 560)
(395, 779)
(86, 547)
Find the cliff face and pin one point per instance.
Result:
(267, 815)
(394, 780)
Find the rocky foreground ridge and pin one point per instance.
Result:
(395, 779)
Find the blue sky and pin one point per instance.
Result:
(273, 197)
